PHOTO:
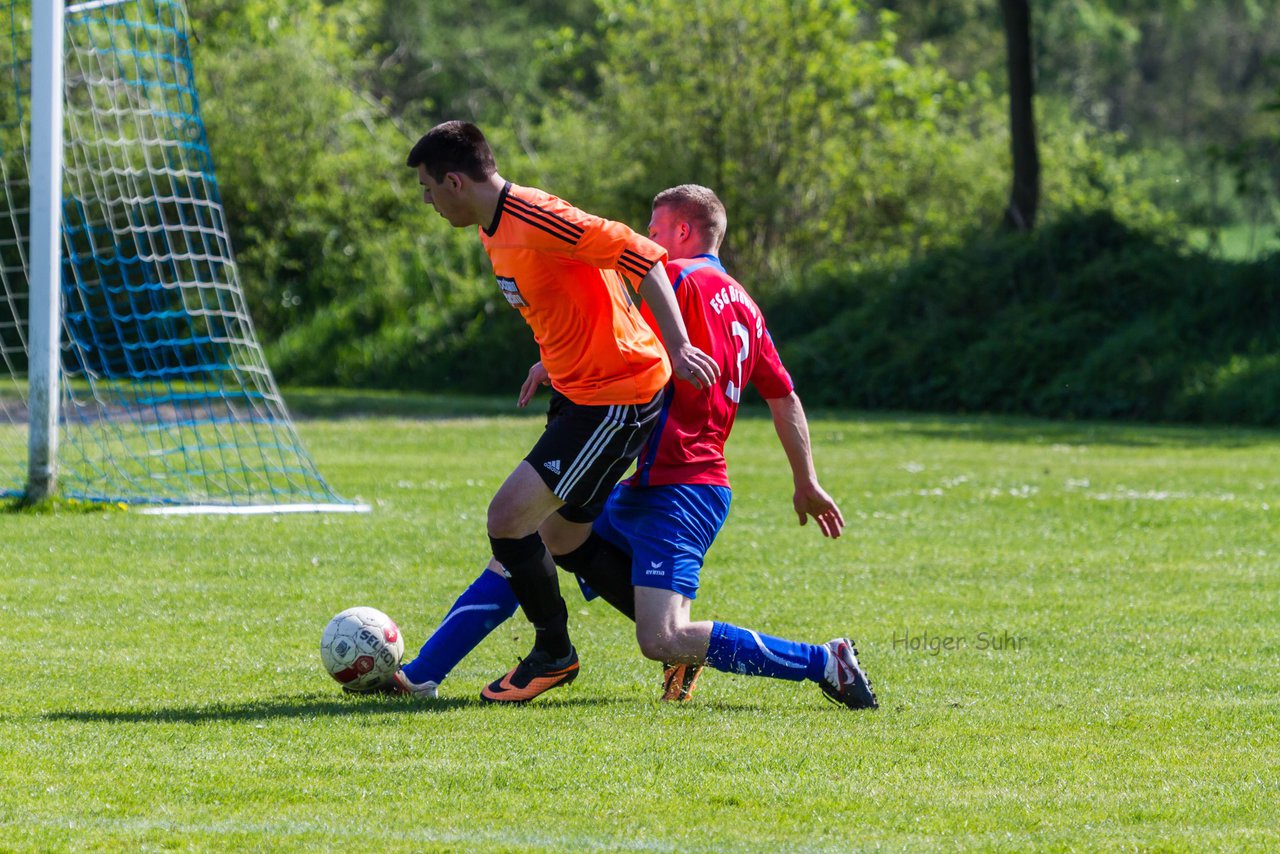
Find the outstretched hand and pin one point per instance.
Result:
(537, 376)
(812, 500)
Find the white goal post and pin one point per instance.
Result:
(46, 229)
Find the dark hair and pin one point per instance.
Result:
(455, 146)
(700, 206)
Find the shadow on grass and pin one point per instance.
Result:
(302, 706)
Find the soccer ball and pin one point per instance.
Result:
(361, 648)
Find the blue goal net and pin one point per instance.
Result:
(165, 395)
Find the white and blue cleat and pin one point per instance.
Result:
(844, 680)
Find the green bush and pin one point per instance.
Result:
(1085, 318)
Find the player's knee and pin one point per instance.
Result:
(656, 642)
(652, 647)
(502, 522)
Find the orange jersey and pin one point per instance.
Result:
(563, 269)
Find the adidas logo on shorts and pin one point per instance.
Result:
(552, 466)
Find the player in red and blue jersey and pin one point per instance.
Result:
(645, 551)
(665, 517)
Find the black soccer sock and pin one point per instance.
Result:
(532, 574)
(606, 569)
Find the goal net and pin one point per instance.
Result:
(165, 395)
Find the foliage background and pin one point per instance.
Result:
(861, 148)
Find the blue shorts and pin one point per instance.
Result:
(667, 530)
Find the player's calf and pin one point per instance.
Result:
(606, 569)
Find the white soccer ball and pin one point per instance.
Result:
(361, 648)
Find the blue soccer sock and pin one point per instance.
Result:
(737, 650)
(485, 605)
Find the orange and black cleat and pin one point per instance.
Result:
(532, 676)
(678, 681)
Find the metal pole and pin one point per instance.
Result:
(46, 244)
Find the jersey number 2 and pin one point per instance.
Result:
(733, 390)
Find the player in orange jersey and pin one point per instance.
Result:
(563, 269)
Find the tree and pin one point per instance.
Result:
(822, 139)
(494, 65)
(1024, 198)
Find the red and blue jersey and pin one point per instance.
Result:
(687, 445)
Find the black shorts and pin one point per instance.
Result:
(586, 450)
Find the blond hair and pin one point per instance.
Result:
(700, 206)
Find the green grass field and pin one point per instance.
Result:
(1072, 629)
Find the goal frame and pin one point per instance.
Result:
(45, 321)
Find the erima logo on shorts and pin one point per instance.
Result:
(552, 466)
(511, 292)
